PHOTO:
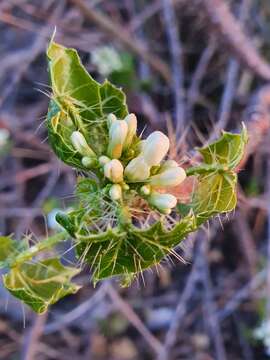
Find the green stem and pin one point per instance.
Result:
(41, 246)
(202, 169)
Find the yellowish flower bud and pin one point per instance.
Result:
(103, 160)
(131, 121)
(170, 177)
(155, 148)
(113, 170)
(115, 192)
(117, 135)
(80, 144)
(163, 202)
(137, 170)
(88, 162)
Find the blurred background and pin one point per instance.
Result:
(189, 68)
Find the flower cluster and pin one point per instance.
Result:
(147, 172)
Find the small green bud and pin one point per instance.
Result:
(155, 148)
(113, 170)
(117, 135)
(137, 170)
(170, 177)
(103, 160)
(125, 186)
(131, 121)
(80, 144)
(88, 162)
(115, 192)
(145, 190)
(163, 202)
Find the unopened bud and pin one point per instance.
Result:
(168, 164)
(110, 119)
(88, 162)
(103, 160)
(155, 148)
(117, 135)
(163, 202)
(131, 121)
(137, 170)
(80, 144)
(170, 177)
(115, 192)
(145, 190)
(113, 170)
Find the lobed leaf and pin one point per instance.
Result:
(79, 103)
(41, 284)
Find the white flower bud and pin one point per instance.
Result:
(103, 160)
(155, 148)
(113, 170)
(131, 121)
(137, 170)
(110, 119)
(115, 192)
(88, 162)
(163, 202)
(117, 135)
(170, 177)
(80, 144)
(145, 190)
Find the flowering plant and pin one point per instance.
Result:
(127, 217)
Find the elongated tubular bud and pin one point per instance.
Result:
(155, 148)
(163, 202)
(169, 177)
(110, 119)
(131, 121)
(80, 144)
(137, 170)
(117, 136)
(115, 192)
(113, 170)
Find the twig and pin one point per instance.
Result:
(134, 319)
(177, 63)
(30, 346)
(117, 32)
(230, 30)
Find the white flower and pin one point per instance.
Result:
(169, 177)
(163, 202)
(80, 144)
(115, 192)
(110, 119)
(131, 121)
(155, 148)
(117, 136)
(137, 170)
(168, 164)
(145, 190)
(113, 170)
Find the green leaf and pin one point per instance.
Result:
(228, 150)
(41, 284)
(9, 249)
(215, 192)
(130, 251)
(79, 103)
